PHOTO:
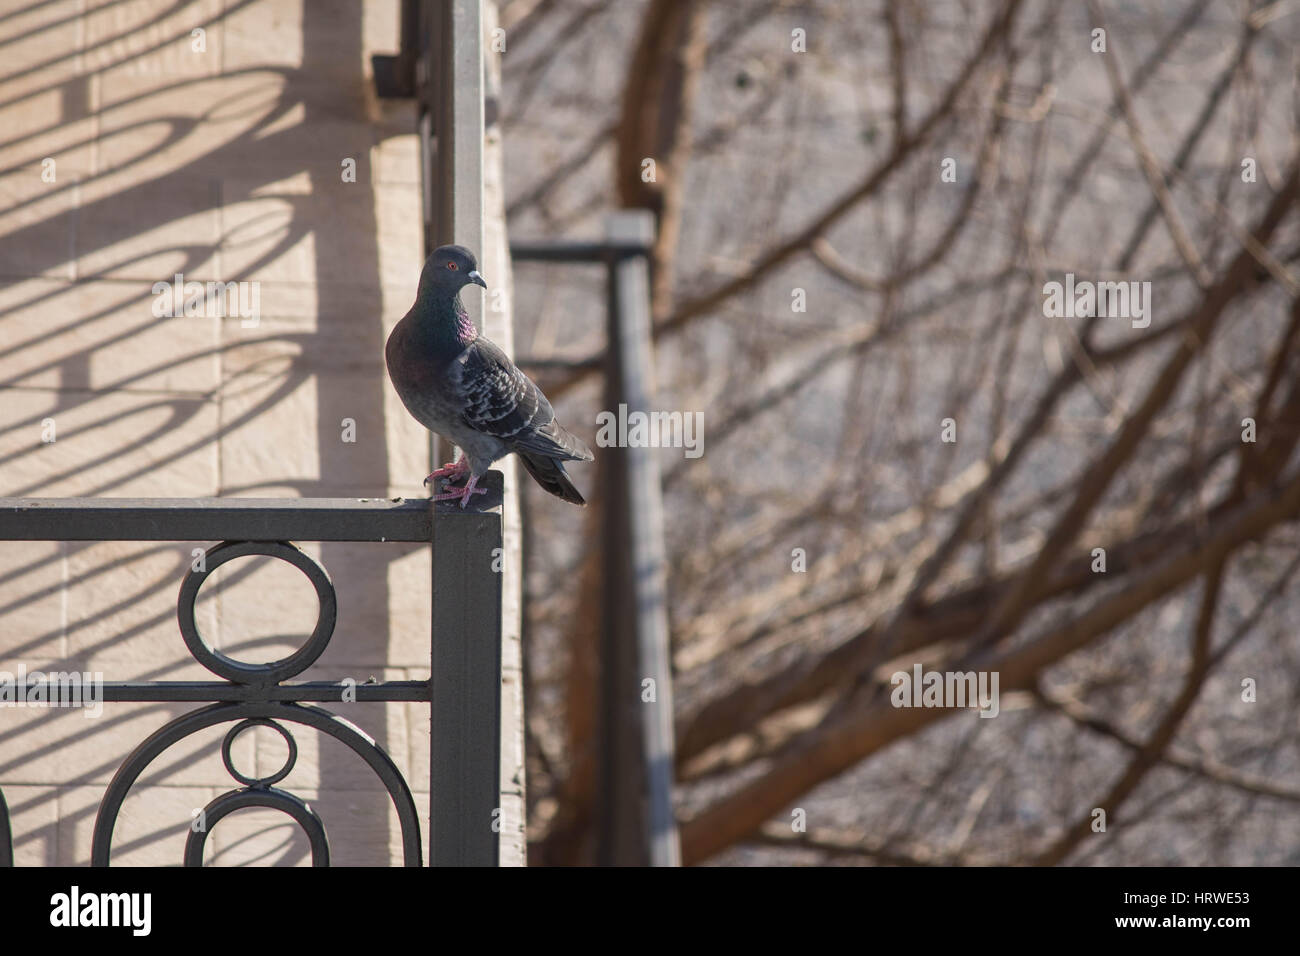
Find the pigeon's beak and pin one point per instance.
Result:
(477, 279)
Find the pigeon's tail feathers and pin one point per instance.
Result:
(550, 474)
(552, 440)
(577, 448)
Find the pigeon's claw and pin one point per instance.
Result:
(463, 494)
(459, 494)
(453, 470)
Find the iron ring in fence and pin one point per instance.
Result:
(242, 672)
(258, 782)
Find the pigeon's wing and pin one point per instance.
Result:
(501, 401)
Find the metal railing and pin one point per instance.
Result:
(442, 65)
(465, 657)
(635, 752)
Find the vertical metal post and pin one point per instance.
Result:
(6, 836)
(458, 186)
(636, 823)
(465, 737)
(428, 81)
(467, 622)
(455, 194)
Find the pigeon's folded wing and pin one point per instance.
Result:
(501, 401)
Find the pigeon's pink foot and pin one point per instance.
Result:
(462, 493)
(454, 470)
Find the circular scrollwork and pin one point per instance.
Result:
(242, 672)
(258, 782)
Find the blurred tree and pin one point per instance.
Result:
(1166, 440)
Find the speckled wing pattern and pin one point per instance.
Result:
(499, 400)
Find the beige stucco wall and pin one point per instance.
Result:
(221, 164)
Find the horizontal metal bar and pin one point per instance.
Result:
(232, 519)
(318, 691)
(213, 519)
(567, 250)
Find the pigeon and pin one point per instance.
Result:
(455, 382)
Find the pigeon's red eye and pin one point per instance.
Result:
(452, 266)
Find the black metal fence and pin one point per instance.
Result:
(465, 657)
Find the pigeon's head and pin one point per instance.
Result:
(450, 269)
